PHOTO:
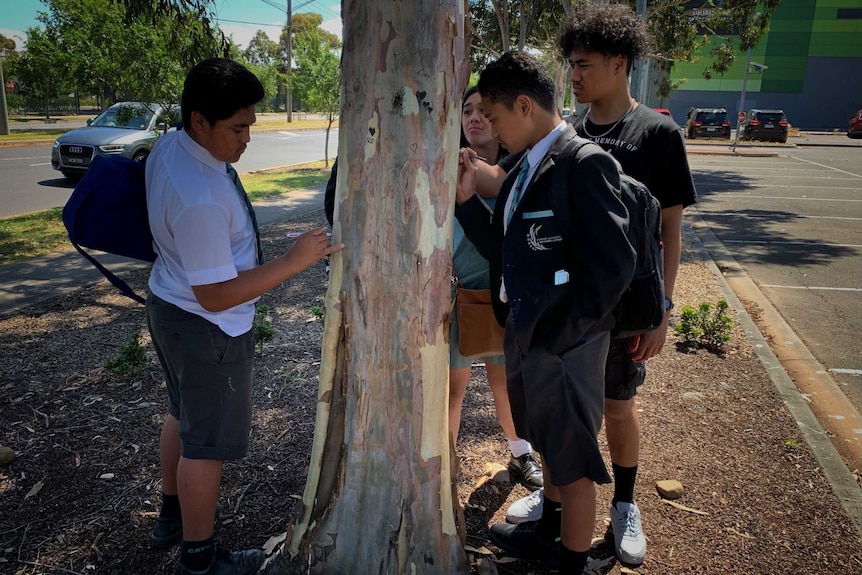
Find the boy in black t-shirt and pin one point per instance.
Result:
(601, 43)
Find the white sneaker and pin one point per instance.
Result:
(629, 540)
(527, 508)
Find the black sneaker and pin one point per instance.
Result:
(229, 563)
(168, 531)
(527, 471)
(525, 541)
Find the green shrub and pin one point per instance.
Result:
(130, 359)
(318, 312)
(700, 328)
(262, 327)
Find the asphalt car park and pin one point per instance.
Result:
(793, 223)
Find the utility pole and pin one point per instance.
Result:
(4, 115)
(742, 99)
(288, 95)
(639, 72)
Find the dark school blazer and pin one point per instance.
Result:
(558, 291)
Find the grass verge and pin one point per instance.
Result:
(38, 234)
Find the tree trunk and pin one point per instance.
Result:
(381, 495)
(501, 8)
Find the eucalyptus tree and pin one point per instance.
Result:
(315, 81)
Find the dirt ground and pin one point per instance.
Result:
(82, 492)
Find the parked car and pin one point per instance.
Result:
(767, 125)
(129, 129)
(707, 123)
(854, 130)
(665, 112)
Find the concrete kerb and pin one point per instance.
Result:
(841, 480)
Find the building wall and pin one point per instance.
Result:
(813, 54)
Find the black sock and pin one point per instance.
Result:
(573, 562)
(551, 520)
(170, 506)
(624, 483)
(197, 555)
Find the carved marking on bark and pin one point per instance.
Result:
(370, 140)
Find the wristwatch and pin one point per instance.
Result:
(668, 304)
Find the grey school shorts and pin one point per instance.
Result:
(208, 375)
(557, 404)
(622, 375)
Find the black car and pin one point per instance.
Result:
(767, 125)
(707, 123)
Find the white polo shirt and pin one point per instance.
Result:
(202, 229)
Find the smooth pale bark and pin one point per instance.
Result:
(381, 495)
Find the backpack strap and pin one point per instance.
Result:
(117, 282)
(560, 197)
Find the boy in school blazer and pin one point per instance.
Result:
(554, 295)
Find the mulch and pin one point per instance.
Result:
(82, 492)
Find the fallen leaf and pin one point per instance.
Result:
(502, 560)
(683, 507)
(34, 490)
(735, 532)
(480, 550)
(273, 542)
(627, 570)
(106, 476)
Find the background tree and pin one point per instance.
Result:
(381, 495)
(261, 50)
(43, 67)
(262, 58)
(315, 81)
(191, 35)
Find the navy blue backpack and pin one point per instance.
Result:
(107, 211)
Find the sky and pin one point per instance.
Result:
(237, 18)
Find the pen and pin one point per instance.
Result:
(478, 157)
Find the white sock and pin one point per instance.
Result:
(519, 447)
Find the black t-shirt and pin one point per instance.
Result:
(650, 148)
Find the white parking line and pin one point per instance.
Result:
(45, 164)
(23, 158)
(830, 167)
(771, 242)
(738, 195)
(774, 286)
(770, 215)
(846, 371)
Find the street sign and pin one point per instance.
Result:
(740, 118)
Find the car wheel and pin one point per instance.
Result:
(140, 155)
(74, 176)
(691, 134)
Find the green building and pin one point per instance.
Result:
(809, 64)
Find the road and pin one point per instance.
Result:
(794, 224)
(29, 184)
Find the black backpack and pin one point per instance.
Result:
(107, 211)
(641, 307)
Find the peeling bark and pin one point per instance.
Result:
(380, 496)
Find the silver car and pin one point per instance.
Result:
(129, 129)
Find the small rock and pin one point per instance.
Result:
(692, 396)
(670, 488)
(7, 456)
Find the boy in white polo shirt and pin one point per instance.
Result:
(203, 287)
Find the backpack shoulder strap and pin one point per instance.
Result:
(560, 196)
(115, 281)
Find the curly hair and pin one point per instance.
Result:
(610, 29)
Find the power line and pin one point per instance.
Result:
(252, 23)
